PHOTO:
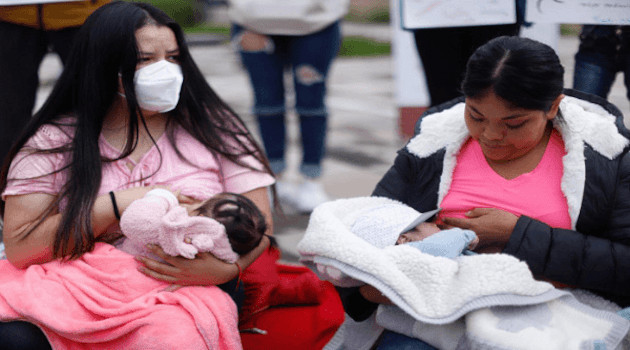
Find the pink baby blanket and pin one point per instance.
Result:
(101, 301)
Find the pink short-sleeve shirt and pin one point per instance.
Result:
(202, 176)
(537, 194)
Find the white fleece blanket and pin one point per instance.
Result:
(438, 291)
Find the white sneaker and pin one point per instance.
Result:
(309, 195)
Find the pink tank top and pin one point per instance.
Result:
(536, 194)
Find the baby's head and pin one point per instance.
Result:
(418, 233)
(244, 223)
(382, 225)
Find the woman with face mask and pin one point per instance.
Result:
(130, 112)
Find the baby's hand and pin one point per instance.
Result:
(447, 243)
(474, 243)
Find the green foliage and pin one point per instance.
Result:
(369, 11)
(209, 28)
(360, 46)
(187, 13)
(570, 29)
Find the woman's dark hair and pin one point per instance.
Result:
(524, 72)
(244, 223)
(104, 47)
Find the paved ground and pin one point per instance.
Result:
(363, 137)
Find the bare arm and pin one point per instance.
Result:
(206, 269)
(22, 212)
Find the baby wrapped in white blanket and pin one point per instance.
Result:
(487, 301)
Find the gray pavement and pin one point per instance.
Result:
(363, 133)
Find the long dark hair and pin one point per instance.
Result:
(524, 72)
(104, 47)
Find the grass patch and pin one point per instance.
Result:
(186, 13)
(376, 15)
(570, 29)
(353, 46)
(208, 28)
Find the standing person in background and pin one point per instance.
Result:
(444, 52)
(271, 36)
(27, 32)
(604, 51)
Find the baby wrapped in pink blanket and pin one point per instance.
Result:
(225, 225)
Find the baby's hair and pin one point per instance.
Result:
(244, 223)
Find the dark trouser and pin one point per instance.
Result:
(445, 51)
(20, 335)
(22, 51)
(604, 51)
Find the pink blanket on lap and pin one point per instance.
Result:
(101, 301)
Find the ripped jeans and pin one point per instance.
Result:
(308, 57)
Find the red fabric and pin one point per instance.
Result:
(288, 327)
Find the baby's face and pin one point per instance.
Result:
(418, 233)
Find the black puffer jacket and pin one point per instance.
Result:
(596, 181)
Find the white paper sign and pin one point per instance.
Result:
(29, 2)
(578, 11)
(456, 13)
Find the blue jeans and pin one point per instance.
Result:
(602, 54)
(309, 58)
(396, 341)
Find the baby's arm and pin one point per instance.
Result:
(141, 222)
(447, 243)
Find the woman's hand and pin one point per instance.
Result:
(252, 41)
(493, 226)
(204, 270)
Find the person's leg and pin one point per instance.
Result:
(440, 50)
(265, 65)
(19, 335)
(594, 73)
(595, 66)
(625, 64)
(61, 41)
(310, 57)
(445, 51)
(22, 51)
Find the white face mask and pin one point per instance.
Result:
(158, 86)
